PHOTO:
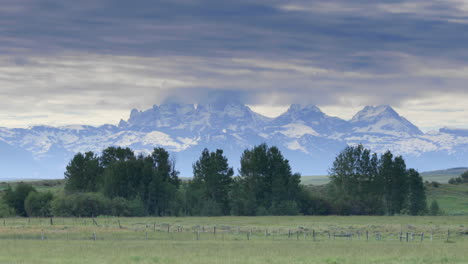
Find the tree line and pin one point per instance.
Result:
(119, 182)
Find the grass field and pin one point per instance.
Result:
(237, 240)
(453, 199)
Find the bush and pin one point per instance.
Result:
(311, 204)
(434, 209)
(15, 198)
(38, 204)
(81, 204)
(5, 210)
(137, 207)
(456, 180)
(285, 208)
(210, 208)
(122, 207)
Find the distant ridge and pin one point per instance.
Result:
(443, 176)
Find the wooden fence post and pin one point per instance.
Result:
(313, 234)
(448, 235)
(367, 235)
(94, 236)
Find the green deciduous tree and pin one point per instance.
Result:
(417, 204)
(212, 176)
(83, 173)
(266, 179)
(355, 181)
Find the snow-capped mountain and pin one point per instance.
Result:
(382, 120)
(309, 119)
(309, 138)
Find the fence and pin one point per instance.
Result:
(112, 229)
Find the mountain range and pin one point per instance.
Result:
(309, 138)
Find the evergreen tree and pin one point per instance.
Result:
(213, 176)
(417, 195)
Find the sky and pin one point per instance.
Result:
(92, 61)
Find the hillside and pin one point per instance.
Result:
(452, 199)
(443, 176)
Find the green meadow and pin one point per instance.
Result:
(270, 239)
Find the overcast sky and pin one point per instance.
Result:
(92, 61)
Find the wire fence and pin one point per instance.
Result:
(112, 229)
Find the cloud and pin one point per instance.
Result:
(102, 58)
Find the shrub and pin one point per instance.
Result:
(15, 198)
(38, 204)
(434, 209)
(81, 204)
(5, 210)
(285, 208)
(210, 208)
(122, 207)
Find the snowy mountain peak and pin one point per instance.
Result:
(311, 116)
(299, 107)
(370, 113)
(382, 119)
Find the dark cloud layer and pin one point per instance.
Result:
(262, 52)
(336, 31)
